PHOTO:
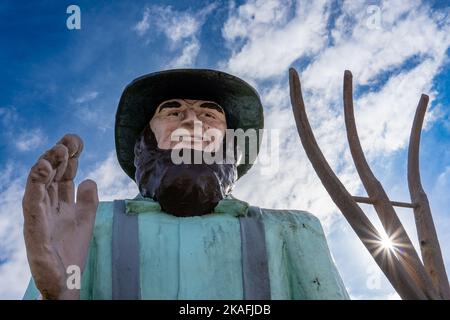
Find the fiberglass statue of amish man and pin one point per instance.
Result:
(184, 236)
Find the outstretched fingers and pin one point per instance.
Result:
(40, 197)
(58, 159)
(36, 197)
(87, 200)
(41, 189)
(66, 187)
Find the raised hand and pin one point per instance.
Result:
(57, 229)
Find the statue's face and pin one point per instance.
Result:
(183, 123)
(193, 126)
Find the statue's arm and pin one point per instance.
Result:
(313, 268)
(332, 285)
(58, 222)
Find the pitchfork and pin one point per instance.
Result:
(410, 277)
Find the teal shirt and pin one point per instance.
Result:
(200, 257)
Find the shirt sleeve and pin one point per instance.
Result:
(32, 292)
(306, 259)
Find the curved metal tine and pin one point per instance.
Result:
(429, 243)
(393, 269)
(383, 207)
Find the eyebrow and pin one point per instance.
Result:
(212, 105)
(169, 104)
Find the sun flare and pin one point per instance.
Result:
(386, 242)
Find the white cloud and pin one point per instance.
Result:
(30, 140)
(254, 17)
(90, 110)
(175, 25)
(14, 270)
(86, 97)
(440, 202)
(265, 38)
(8, 115)
(397, 62)
(188, 55)
(112, 182)
(383, 115)
(23, 140)
(389, 296)
(441, 187)
(181, 29)
(142, 26)
(95, 116)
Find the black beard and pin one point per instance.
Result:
(181, 189)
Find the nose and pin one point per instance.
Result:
(189, 119)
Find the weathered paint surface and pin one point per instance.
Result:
(200, 257)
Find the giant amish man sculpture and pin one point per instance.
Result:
(184, 236)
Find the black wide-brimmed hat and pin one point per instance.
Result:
(240, 101)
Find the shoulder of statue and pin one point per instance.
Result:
(289, 217)
(138, 197)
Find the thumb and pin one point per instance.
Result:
(87, 197)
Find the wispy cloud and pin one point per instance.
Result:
(30, 140)
(267, 36)
(86, 97)
(175, 25)
(22, 140)
(142, 26)
(8, 115)
(180, 28)
(111, 180)
(90, 109)
(392, 66)
(187, 57)
(383, 113)
(14, 270)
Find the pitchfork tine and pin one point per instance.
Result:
(382, 204)
(399, 278)
(429, 244)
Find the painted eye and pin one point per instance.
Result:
(210, 115)
(174, 113)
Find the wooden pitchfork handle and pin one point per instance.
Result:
(401, 266)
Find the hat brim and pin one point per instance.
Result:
(139, 100)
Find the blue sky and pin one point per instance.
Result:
(56, 80)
